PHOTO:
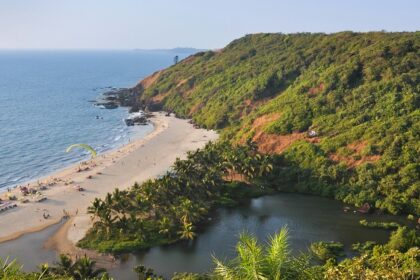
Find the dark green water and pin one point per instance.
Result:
(308, 219)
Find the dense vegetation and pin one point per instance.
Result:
(169, 208)
(338, 115)
(385, 225)
(274, 261)
(65, 269)
(357, 93)
(334, 115)
(325, 251)
(398, 259)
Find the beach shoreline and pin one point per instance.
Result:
(137, 161)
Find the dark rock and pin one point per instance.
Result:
(107, 105)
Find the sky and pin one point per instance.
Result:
(207, 24)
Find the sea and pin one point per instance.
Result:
(46, 105)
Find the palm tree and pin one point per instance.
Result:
(64, 266)
(96, 207)
(265, 166)
(84, 268)
(165, 226)
(187, 231)
(263, 262)
(108, 220)
(109, 200)
(144, 273)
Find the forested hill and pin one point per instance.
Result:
(341, 109)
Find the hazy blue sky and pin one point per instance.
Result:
(116, 24)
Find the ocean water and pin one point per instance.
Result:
(44, 106)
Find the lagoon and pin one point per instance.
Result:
(308, 218)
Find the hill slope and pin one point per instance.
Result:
(341, 109)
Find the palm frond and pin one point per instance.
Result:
(278, 253)
(250, 256)
(223, 271)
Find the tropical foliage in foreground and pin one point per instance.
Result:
(271, 261)
(171, 207)
(357, 93)
(65, 269)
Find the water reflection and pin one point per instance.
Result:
(308, 219)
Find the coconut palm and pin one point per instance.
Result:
(144, 273)
(64, 266)
(84, 268)
(255, 261)
(96, 207)
(265, 166)
(165, 226)
(187, 230)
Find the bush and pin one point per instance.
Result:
(384, 225)
(327, 250)
(403, 238)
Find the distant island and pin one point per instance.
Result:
(178, 50)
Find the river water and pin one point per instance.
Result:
(308, 219)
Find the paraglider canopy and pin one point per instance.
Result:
(84, 146)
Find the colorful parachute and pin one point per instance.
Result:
(84, 146)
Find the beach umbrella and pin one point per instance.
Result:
(84, 146)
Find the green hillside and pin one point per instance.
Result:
(357, 93)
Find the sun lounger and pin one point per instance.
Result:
(7, 206)
(39, 198)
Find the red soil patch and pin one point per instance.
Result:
(150, 80)
(357, 147)
(159, 97)
(185, 93)
(273, 143)
(235, 177)
(355, 159)
(315, 90)
(180, 83)
(248, 102)
(263, 120)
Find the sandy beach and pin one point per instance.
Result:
(137, 161)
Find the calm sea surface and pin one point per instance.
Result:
(44, 106)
